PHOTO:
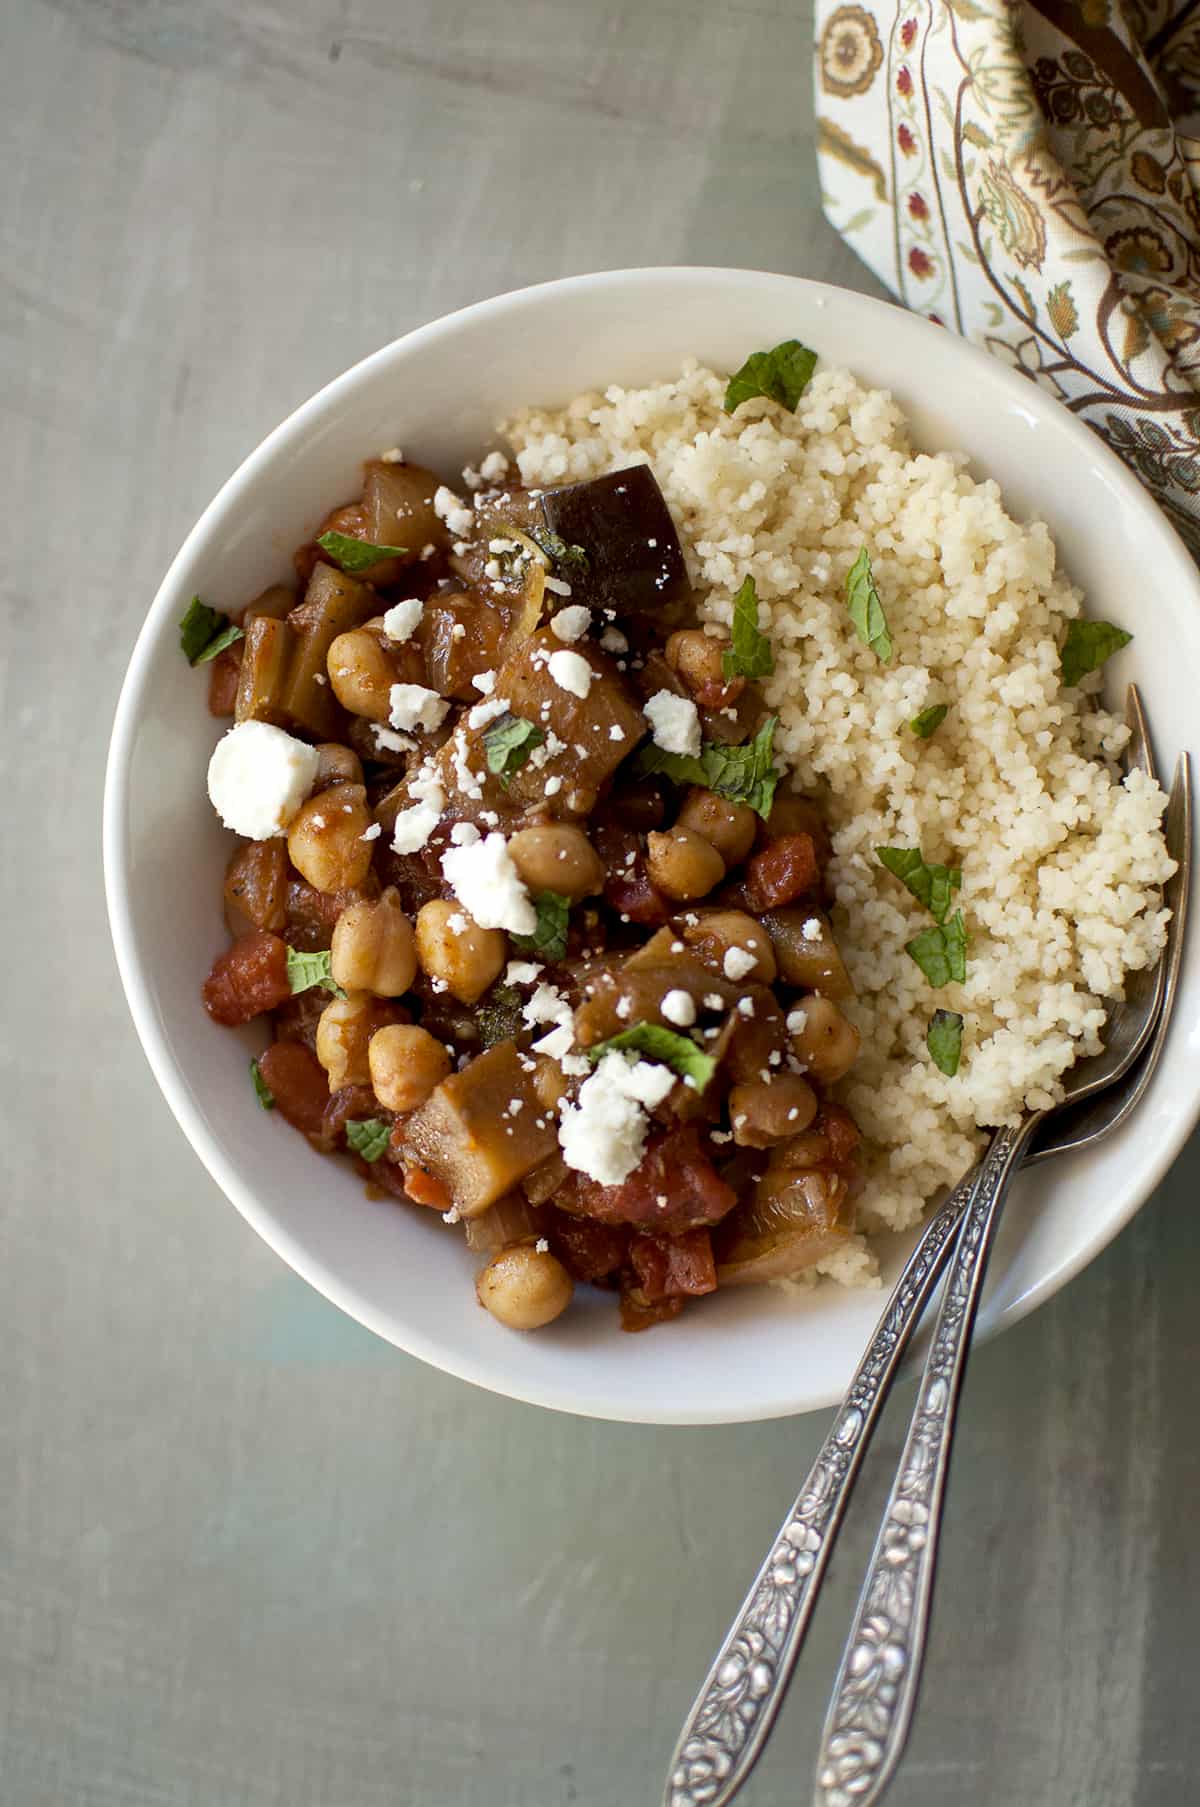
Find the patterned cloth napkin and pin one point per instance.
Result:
(1024, 171)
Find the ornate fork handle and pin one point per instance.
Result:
(875, 1694)
(736, 1707)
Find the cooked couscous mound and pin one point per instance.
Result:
(1062, 859)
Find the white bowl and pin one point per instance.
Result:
(439, 392)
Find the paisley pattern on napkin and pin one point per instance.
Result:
(1026, 173)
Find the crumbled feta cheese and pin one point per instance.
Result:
(624, 1006)
(453, 1215)
(464, 834)
(485, 881)
(557, 586)
(558, 1043)
(458, 631)
(571, 671)
(258, 777)
(484, 681)
(547, 1005)
(552, 786)
(494, 467)
(413, 827)
(674, 721)
(457, 924)
(486, 712)
(372, 833)
(713, 1001)
(413, 706)
(797, 1021)
(521, 972)
(387, 742)
(614, 641)
(679, 1007)
(401, 619)
(745, 1006)
(811, 929)
(541, 1246)
(604, 1132)
(471, 477)
(453, 510)
(616, 732)
(571, 624)
(393, 456)
(738, 962)
(774, 1058)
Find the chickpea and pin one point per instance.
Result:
(325, 840)
(719, 931)
(763, 1113)
(337, 764)
(827, 1042)
(361, 674)
(467, 959)
(549, 1082)
(682, 864)
(344, 1031)
(373, 947)
(698, 658)
(406, 1064)
(730, 827)
(524, 1287)
(557, 857)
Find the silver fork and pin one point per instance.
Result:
(738, 1702)
(875, 1694)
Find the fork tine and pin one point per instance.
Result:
(1139, 753)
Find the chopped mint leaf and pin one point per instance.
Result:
(941, 952)
(743, 774)
(306, 970)
(550, 936)
(866, 610)
(934, 886)
(499, 1015)
(750, 654)
(1087, 645)
(929, 720)
(205, 632)
(508, 744)
(781, 374)
(266, 1096)
(679, 1052)
(560, 552)
(356, 555)
(944, 1041)
(368, 1136)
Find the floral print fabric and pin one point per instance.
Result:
(1025, 171)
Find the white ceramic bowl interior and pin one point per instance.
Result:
(439, 392)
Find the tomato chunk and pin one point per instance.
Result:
(248, 978)
(674, 1266)
(298, 1083)
(675, 1188)
(588, 1250)
(780, 872)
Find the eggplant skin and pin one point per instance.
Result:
(635, 563)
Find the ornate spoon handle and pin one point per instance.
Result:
(743, 1691)
(876, 1689)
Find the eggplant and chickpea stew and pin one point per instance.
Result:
(539, 937)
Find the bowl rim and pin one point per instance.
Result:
(115, 833)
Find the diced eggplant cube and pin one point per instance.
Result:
(634, 561)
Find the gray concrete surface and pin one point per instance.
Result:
(250, 1557)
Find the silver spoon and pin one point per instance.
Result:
(737, 1704)
(875, 1695)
